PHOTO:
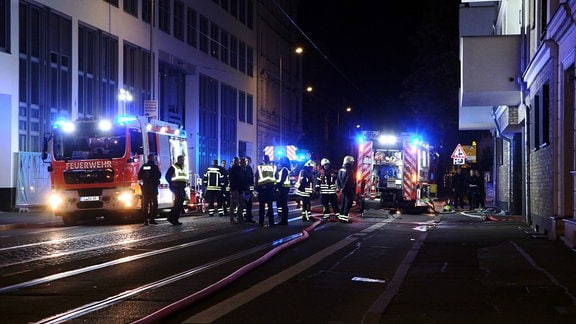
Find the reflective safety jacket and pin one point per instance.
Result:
(213, 179)
(283, 177)
(326, 181)
(266, 173)
(180, 173)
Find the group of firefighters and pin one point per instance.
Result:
(229, 192)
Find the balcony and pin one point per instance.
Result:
(490, 67)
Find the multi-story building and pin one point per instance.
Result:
(222, 69)
(518, 61)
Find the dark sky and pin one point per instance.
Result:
(364, 52)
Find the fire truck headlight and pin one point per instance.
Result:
(126, 198)
(55, 201)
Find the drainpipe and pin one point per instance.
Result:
(555, 86)
(510, 159)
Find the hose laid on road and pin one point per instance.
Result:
(170, 309)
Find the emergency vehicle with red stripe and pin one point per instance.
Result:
(393, 172)
(94, 164)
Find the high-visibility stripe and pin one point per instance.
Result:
(364, 162)
(409, 174)
(291, 152)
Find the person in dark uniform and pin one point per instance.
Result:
(213, 185)
(177, 178)
(459, 188)
(283, 187)
(265, 182)
(347, 186)
(326, 187)
(149, 175)
(246, 163)
(305, 188)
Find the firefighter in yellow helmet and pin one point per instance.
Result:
(347, 186)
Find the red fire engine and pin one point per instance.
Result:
(94, 165)
(393, 172)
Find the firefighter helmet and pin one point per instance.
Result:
(348, 160)
(310, 163)
(324, 161)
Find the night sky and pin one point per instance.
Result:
(363, 54)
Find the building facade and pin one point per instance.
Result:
(518, 61)
(202, 64)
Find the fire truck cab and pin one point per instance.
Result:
(94, 165)
(393, 172)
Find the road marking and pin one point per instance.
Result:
(226, 306)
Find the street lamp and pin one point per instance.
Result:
(124, 96)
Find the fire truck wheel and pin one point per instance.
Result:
(69, 220)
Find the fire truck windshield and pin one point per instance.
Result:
(87, 143)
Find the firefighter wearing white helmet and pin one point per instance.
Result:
(347, 186)
(326, 187)
(304, 189)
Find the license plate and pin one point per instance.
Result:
(90, 198)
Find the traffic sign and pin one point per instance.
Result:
(459, 161)
(459, 153)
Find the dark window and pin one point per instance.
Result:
(208, 121)
(242, 106)
(192, 26)
(147, 11)
(233, 51)
(242, 56)
(249, 61)
(131, 7)
(179, 20)
(112, 2)
(249, 109)
(224, 46)
(164, 15)
(5, 26)
(214, 40)
(203, 46)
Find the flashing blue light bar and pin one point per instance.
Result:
(416, 140)
(123, 120)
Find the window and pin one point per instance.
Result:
(228, 121)
(540, 118)
(208, 121)
(214, 40)
(249, 61)
(203, 34)
(112, 2)
(131, 7)
(233, 51)
(45, 73)
(242, 56)
(179, 20)
(136, 77)
(224, 46)
(147, 11)
(164, 15)
(250, 109)
(192, 26)
(242, 106)
(5, 26)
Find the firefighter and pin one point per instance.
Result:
(149, 175)
(326, 187)
(246, 163)
(283, 188)
(213, 185)
(305, 188)
(177, 178)
(347, 186)
(265, 183)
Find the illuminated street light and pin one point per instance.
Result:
(124, 96)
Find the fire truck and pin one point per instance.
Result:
(94, 164)
(393, 172)
(297, 158)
